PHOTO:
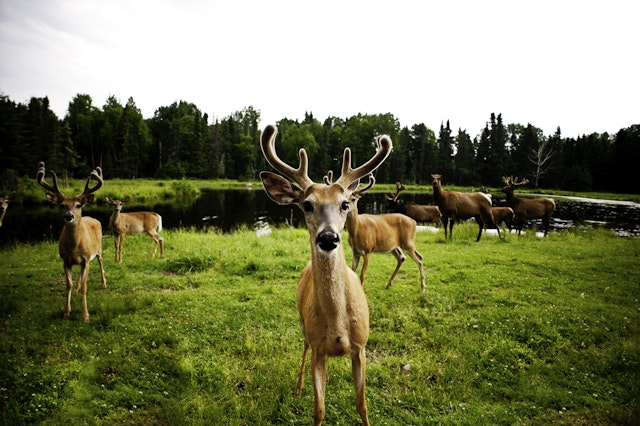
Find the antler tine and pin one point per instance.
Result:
(372, 181)
(40, 178)
(299, 175)
(399, 188)
(350, 175)
(328, 177)
(506, 180)
(97, 175)
(521, 183)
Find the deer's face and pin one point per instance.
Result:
(325, 207)
(325, 210)
(71, 206)
(117, 205)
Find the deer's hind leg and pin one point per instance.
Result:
(397, 253)
(415, 255)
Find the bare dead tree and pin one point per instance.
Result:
(540, 158)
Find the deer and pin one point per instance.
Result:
(332, 306)
(527, 208)
(419, 212)
(134, 223)
(503, 214)
(81, 237)
(4, 204)
(462, 205)
(381, 233)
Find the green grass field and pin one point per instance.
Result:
(521, 331)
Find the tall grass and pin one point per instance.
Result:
(523, 331)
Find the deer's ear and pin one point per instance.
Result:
(53, 199)
(280, 190)
(354, 185)
(86, 198)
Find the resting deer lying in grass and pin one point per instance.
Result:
(4, 204)
(81, 237)
(462, 205)
(418, 212)
(134, 223)
(333, 309)
(527, 208)
(380, 233)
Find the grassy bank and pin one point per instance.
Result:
(521, 331)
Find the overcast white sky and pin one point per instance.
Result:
(573, 64)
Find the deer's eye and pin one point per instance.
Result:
(345, 205)
(307, 206)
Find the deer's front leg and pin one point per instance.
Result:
(319, 375)
(358, 370)
(104, 280)
(116, 243)
(300, 383)
(365, 265)
(84, 276)
(355, 261)
(69, 278)
(121, 248)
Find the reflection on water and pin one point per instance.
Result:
(228, 210)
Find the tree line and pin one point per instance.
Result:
(180, 142)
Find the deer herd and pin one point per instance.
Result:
(332, 306)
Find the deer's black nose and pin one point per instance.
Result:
(328, 240)
(68, 217)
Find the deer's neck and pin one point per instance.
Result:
(512, 200)
(329, 277)
(437, 191)
(352, 222)
(114, 220)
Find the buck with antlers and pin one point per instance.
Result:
(332, 306)
(4, 204)
(81, 237)
(134, 223)
(527, 208)
(462, 205)
(380, 233)
(418, 212)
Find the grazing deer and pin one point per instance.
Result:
(134, 223)
(418, 212)
(332, 306)
(503, 214)
(380, 233)
(81, 237)
(462, 205)
(4, 204)
(527, 208)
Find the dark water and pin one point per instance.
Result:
(228, 210)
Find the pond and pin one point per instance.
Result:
(228, 210)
